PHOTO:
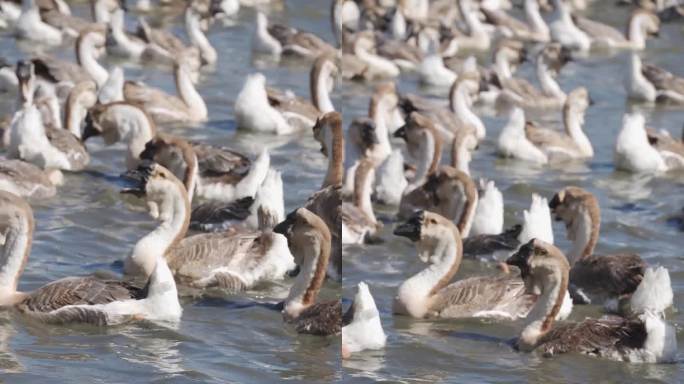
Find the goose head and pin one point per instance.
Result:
(428, 230)
(161, 189)
(509, 52)
(578, 100)
(90, 41)
(417, 131)
(26, 76)
(554, 56)
(644, 23)
(570, 203)
(541, 264)
(362, 132)
(305, 232)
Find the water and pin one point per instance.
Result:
(634, 212)
(90, 228)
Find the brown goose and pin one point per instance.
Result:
(429, 294)
(309, 240)
(77, 299)
(545, 270)
(614, 276)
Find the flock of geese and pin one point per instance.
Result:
(234, 203)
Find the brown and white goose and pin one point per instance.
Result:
(276, 39)
(610, 278)
(309, 240)
(424, 145)
(533, 30)
(640, 26)
(77, 299)
(429, 294)
(27, 180)
(645, 337)
(232, 261)
(650, 83)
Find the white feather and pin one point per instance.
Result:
(365, 331)
(654, 293)
(390, 183)
(489, 215)
(537, 221)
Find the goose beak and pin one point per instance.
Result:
(137, 179)
(400, 133)
(283, 227)
(410, 229)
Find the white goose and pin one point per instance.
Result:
(635, 153)
(641, 24)
(649, 83)
(278, 39)
(262, 109)
(564, 31)
(30, 26)
(78, 299)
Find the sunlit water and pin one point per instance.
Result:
(89, 227)
(634, 213)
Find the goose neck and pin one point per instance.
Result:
(636, 32)
(335, 140)
(319, 82)
(13, 257)
(548, 83)
(573, 119)
(198, 38)
(363, 187)
(584, 232)
(305, 289)
(192, 99)
(85, 53)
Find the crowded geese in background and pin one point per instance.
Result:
(295, 157)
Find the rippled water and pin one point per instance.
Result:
(90, 228)
(634, 212)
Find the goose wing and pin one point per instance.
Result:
(598, 337)
(282, 33)
(545, 138)
(79, 291)
(307, 44)
(397, 50)
(503, 19)
(200, 256)
(68, 22)
(219, 160)
(522, 88)
(59, 70)
(488, 244)
(322, 319)
(597, 30)
(353, 68)
(287, 102)
(27, 178)
(500, 296)
(70, 145)
(206, 216)
(615, 275)
(153, 99)
(159, 37)
(662, 79)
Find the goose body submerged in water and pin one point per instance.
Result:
(78, 299)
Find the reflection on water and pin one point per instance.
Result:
(8, 360)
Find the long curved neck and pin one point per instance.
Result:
(460, 106)
(573, 119)
(187, 92)
(135, 128)
(429, 157)
(534, 18)
(74, 113)
(445, 254)
(379, 112)
(198, 38)
(13, 257)
(539, 321)
(460, 156)
(468, 213)
(86, 59)
(502, 66)
(191, 173)
(516, 124)
(335, 141)
(174, 213)
(636, 32)
(318, 83)
(584, 232)
(363, 187)
(311, 276)
(548, 83)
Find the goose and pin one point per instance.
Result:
(102, 10)
(447, 192)
(121, 43)
(459, 113)
(372, 66)
(162, 47)
(112, 89)
(232, 261)
(253, 189)
(534, 30)
(30, 26)
(70, 25)
(309, 240)
(650, 83)
(464, 143)
(345, 15)
(364, 330)
(636, 152)
(548, 62)
(613, 277)
(188, 106)
(478, 38)
(434, 73)
(390, 180)
(78, 299)
(9, 14)
(326, 203)
(428, 294)
(81, 98)
(564, 30)
(497, 246)
(513, 141)
(27, 180)
(423, 144)
(262, 109)
(489, 214)
(369, 137)
(641, 24)
(359, 223)
(28, 139)
(644, 337)
(276, 39)
(571, 144)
